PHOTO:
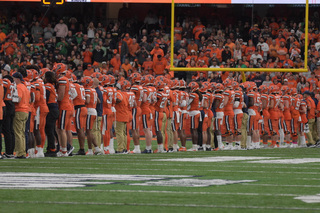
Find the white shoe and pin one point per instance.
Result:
(135, 151)
(257, 145)
(31, 153)
(98, 151)
(250, 147)
(40, 153)
(236, 147)
(89, 152)
(60, 154)
(294, 146)
(228, 147)
(161, 151)
(111, 150)
(193, 149)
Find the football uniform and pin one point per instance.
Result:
(266, 115)
(219, 112)
(228, 112)
(145, 108)
(91, 107)
(159, 106)
(295, 116)
(254, 116)
(194, 110)
(79, 103)
(183, 99)
(65, 107)
(274, 114)
(238, 113)
(136, 111)
(287, 114)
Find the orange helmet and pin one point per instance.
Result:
(120, 84)
(204, 88)
(112, 80)
(59, 68)
(212, 86)
(205, 83)
(253, 85)
(293, 91)
(183, 84)
(160, 78)
(219, 88)
(35, 74)
(227, 83)
(29, 75)
(285, 89)
(43, 71)
(175, 84)
(273, 89)
(300, 96)
(96, 75)
(159, 85)
(127, 85)
(151, 79)
(144, 80)
(135, 78)
(235, 85)
(193, 86)
(263, 89)
(105, 80)
(87, 82)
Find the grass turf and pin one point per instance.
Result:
(274, 189)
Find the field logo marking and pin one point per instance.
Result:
(192, 182)
(20, 180)
(309, 198)
(289, 161)
(214, 159)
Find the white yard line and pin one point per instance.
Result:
(160, 169)
(163, 192)
(281, 185)
(160, 205)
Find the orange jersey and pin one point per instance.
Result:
(132, 100)
(273, 110)
(194, 102)
(303, 115)
(228, 108)
(286, 110)
(267, 100)
(295, 106)
(145, 106)
(80, 99)
(109, 98)
(65, 104)
(183, 97)
(138, 92)
(238, 95)
(9, 89)
(175, 100)
(51, 94)
(220, 97)
(153, 96)
(162, 99)
(92, 94)
(205, 101)
(42, 100)
(122, 107)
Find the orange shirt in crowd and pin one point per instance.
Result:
(159, 66)
(133, 49)
(126, 67)
(87, 55)
(155, 52)
(115, 63)
(292, 83)
(88, 72)
(147, 65)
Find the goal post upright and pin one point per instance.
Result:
(242, 70)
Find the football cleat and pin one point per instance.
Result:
(81, 152)
(135, 151)
(182, 149)
(60, 154)
(106, 152)
(89, 152)
(69, 152)
(146, 151)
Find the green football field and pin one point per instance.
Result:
(266, 180)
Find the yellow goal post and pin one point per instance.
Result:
(242, 70)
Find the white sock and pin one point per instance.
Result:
(302, 140)
(160, 147)
(101, 146)
(195, 146)
(175, 146)
(281, 132)
(148, 147)
(111, 143)
(137, 147)
(106, 148)
(249, 140)
(219, 139)
(90, 151)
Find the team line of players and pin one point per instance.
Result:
(165, 108)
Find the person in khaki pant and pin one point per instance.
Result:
(97, 127)
(21, 98)
(311, 107)
(122, 118)
(244, 130)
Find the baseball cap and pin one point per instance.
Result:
(104, 62)
(17, 75)
(193, 51)
(285, 80)
(6, 67)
